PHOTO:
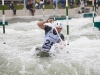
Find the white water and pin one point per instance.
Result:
(80, 57)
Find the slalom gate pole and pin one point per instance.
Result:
(93, 11)
(56, 4)
(54, 12)
(96, 24)
(24, 4)
(3, 17)
(43, 10)
(67, 22)
(55, 27)
(97, 7)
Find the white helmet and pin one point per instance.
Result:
(59, 24)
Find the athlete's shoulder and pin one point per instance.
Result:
(47, 28)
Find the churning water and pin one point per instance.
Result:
(80, 57)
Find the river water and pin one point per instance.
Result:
(80, 57)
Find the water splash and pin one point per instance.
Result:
(80, 57)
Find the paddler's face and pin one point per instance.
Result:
(58, 29)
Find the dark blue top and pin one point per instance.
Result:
(62, 1)
(12, 7)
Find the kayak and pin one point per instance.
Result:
(42, 53)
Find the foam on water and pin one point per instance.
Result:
(80, 57)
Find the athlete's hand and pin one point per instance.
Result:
(62, 45)
(50, 20)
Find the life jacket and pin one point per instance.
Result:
(50, 39)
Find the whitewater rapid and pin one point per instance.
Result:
(80, 57)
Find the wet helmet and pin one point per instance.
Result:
(59, 24)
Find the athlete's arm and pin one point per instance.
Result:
(62, 43)
(62, 37)
(41, 23)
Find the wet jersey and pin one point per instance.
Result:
(50, 38)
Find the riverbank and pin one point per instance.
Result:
(47, 13)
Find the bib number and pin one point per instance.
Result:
(48, 42)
